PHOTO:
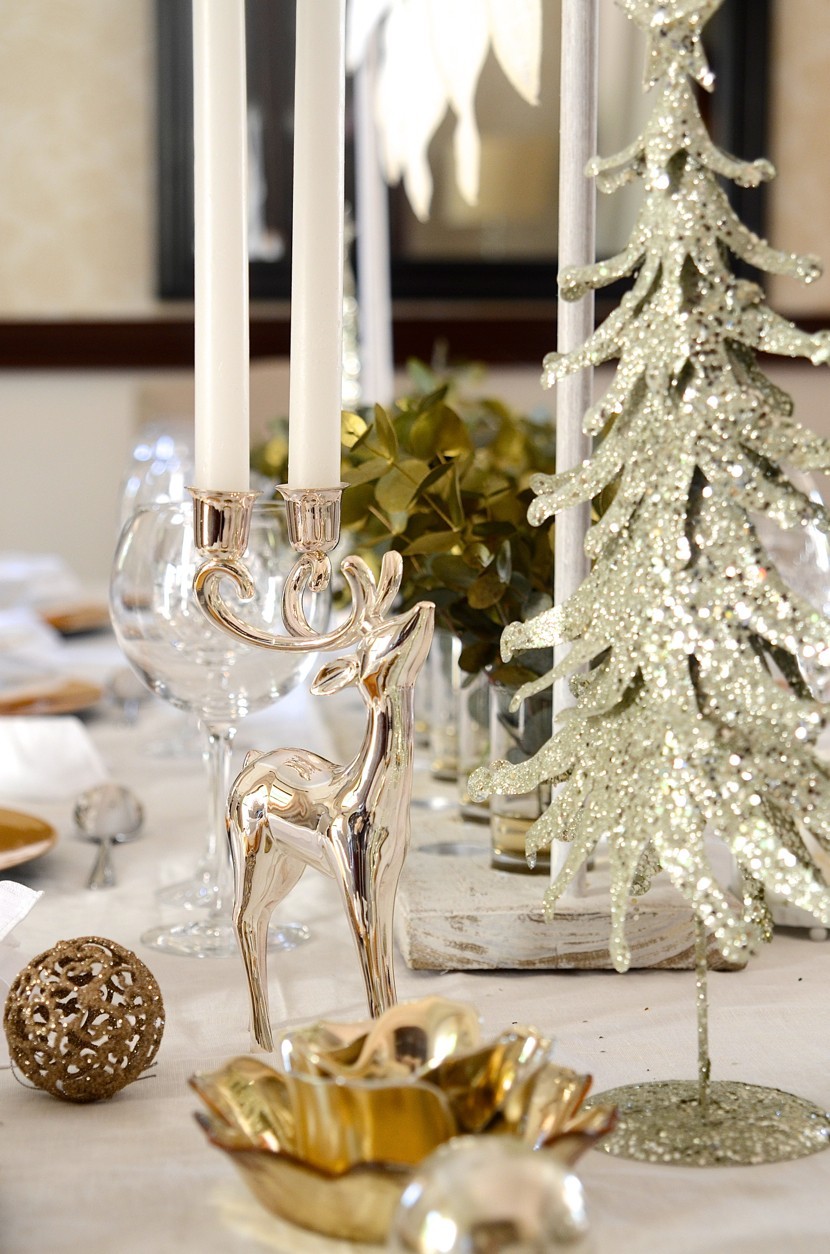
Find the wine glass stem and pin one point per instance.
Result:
(218, 865)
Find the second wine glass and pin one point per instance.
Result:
(190, 662)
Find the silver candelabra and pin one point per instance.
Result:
(290, 808)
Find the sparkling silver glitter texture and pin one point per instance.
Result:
(693, 715)
(740, 1125)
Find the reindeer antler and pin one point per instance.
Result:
(370, 601)
(388, 585)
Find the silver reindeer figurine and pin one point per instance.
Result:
(290, 808)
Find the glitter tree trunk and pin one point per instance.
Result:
(694, 719)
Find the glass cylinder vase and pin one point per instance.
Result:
(444, 684)
(515, 735)
(473, 740)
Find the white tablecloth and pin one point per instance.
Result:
(135, 1174)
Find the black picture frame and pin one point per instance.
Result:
(738, 42)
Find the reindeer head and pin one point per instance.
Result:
(389, 652)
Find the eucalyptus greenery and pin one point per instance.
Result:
(446, 482)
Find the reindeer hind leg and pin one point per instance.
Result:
(264, 873)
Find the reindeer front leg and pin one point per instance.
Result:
(367, 863)
(252, 935)
(263, 875)
(387, 864)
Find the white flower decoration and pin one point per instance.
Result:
(431, 54)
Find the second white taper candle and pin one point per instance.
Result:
(317, 246)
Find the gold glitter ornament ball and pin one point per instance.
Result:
(84, 1019)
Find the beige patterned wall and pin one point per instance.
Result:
(77, 175)
(76, 157)
(800, 146)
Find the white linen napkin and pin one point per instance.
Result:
(23, 631)
(46, 759)
(16, 900)
(32, 578)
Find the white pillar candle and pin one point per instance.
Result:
(220, 142)
(317, 247)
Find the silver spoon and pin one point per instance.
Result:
(109, 814)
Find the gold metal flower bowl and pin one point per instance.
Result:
(331, 1142)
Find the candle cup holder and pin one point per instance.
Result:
(222, 521)
(313, 517)
(291, 808)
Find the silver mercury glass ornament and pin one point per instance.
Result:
(490, 1195)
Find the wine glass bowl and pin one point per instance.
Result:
(194, 665)
(180, 654)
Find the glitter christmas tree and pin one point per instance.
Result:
(693, 717)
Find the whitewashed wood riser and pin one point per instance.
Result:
(455, 912)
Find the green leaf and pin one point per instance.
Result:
(352, 427)
(440, 431)
(452, 571)
(478, 556)
(491, 529)
(397, 487)
(433, 479)
(512, 675)
(431, 399)
(424, 434)
(487, 590)
(397, 521)
(509, 446)
(385, 432)
(366, 472)
(432, 542)
(355, 506)
(474, 657)
(454, 503)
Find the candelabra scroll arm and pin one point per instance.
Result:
(221, 525)
(370, 602)
(302, 638)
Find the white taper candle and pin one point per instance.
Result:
(317, 247)
(220, 142)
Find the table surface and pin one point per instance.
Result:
(136, 1173)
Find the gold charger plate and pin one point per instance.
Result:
(60, 696)
(74, 620)
(23, 837)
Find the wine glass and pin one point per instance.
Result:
(186, 659)
(160, 467)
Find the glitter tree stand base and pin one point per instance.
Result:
(665, 1123)
(689, 1123)
(694, 716)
